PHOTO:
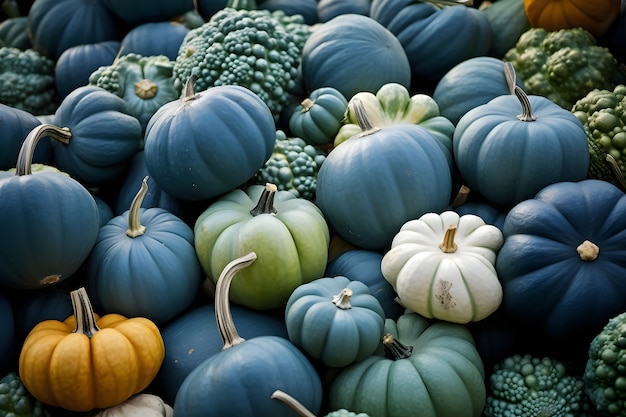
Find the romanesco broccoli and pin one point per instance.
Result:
(605, 372)
(345, 413)
(603, 115)
(249, 48)
(561, 65)
(524, 385)
(16, 401)
(293, 166)
(27, 80)
(144, 82)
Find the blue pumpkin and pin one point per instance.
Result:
(16, 124)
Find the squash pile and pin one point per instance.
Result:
(447, 202)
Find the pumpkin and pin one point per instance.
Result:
(142, 11)
(507, 156)
(240, 379)
(302, 411)
(210, 142)
(139, 405)
(508, 21)
(7, 334)
(371, 184)
(193, 337)
(305, 8)
(48, 221)
(562, 267)
(338, 54)
(75, 64)
(14, 33)
(426, 368)
(595, 17)
(469, 84)
(442, 266)
(434, 38)
(35, 306)
(155, 38)
(318, 117)
(335, 320)
(87, 362)
(364, 266)
(16, 124)
(104, 136)
(394, 104)
(289, 234)
(132, 272)
(328, 9)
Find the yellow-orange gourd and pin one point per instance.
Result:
(88, 362)
(594, 16)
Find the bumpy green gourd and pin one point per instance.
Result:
(16, 401)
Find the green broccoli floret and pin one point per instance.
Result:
(561, 65)
(144, 82)
(293, 166)
(16, 401)
(345, 413)
(249, 48)
(294, 25)
(524, 385)
(27, 80)
(605, 372)
(603, 115)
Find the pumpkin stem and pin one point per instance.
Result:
(242, 4)
(135, 228)
(362, 118)
(342, 300)
(223, 316)
(615, 169)
(188, 90)
(448, 245)
(306, 104)
(23, 165)
(510, 76)
(394, 349)
(294, 404)
(461, 197)
(146, 89)
(83, 313)
(588, 251)
(265, 205)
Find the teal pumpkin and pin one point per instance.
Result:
(427, 368)
(155, 38)
(289, 234)
(35, 306)
(434, 38)
(565, 242)
(16, 124)
(335, 320)
(319, 116)
(328, 9)
(144, 264)
(339, 54)
(210, 142)
(14, 33)
(240, 379)
(141, 11)
(507, 156)
(508, 21)
(48, 221)
(104, 136)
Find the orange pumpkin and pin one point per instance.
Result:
(594, 16)
(87, 362)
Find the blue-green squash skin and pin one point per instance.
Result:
(507, 160)
(155, 38)
(443, 376)
(364, 265)
(338, 333)
(545, 282)
(318, 118)
(105, 136)
(206, 145)
(369, 186)
(15, 125)
(155, 275)
(240, 380)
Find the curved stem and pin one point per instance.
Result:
(223, 316)
(294, 404)
(448, 245)
(83, 313)
(146, 89)
(394, 349)
(188, 90)
(510, 76)
(362, 118)
(342, 300)
(615, 169)
(135, 228)
(25, 156)
(588, 251)
(265, 205)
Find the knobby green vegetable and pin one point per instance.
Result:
(293, 166)
(16, 401)
(605, 372)
(524, 385)
(250, 48)
(562, 65)
(27, 80)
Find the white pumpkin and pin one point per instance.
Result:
(140, 405)
(442, 266)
